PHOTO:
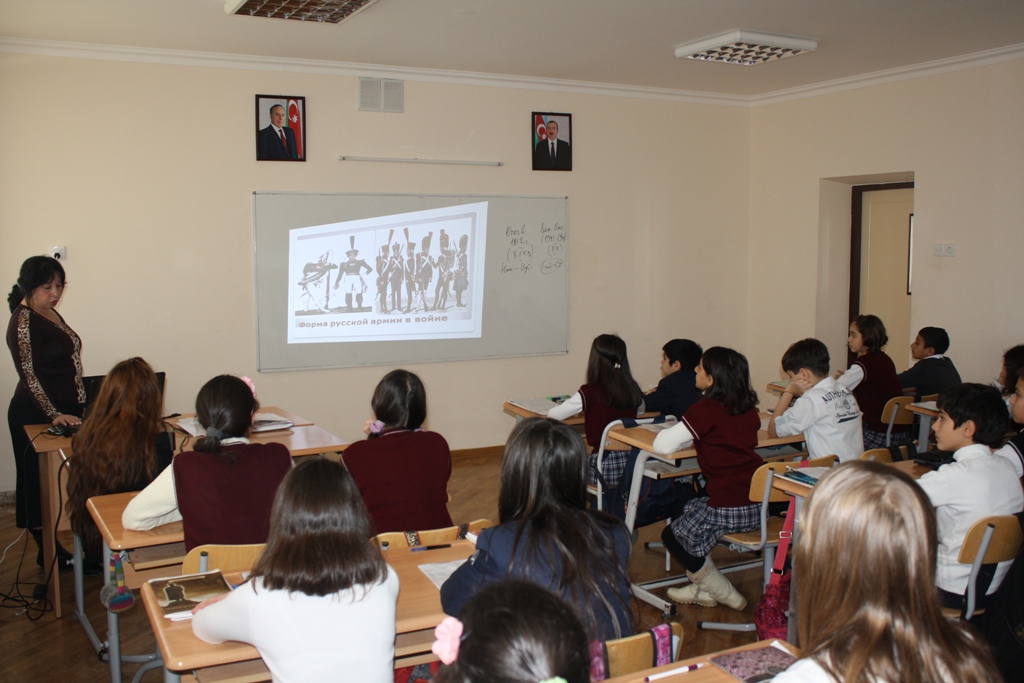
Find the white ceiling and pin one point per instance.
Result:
(622, 42)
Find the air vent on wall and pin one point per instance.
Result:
(382, 94)
(324, 11)
(746, 48)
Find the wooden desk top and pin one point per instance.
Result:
(517, 411)
(777, 386)
(46, 443)
(291, 417)
(707, 674)
(419, 607)
(106, 511)
(794, 488)
(644, 439)
(924, 408)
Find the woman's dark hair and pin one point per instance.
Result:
(319, 542)
(1013, 361)
(517, 632)
(608, 368)
(224, 407)
(400, 400)
(36, 271)
(872, 329)
(731, 373)
(116, 447)
(983, 405)
(544, 487)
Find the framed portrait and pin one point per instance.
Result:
(280, 128)
(552, 141)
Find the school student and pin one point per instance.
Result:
(610, 394)
(513, 632)
(402, 471)
(723, 427)
(123, 446)
(824, 411)
(223, 489)
(1013, 450)
(320, 603)
(548, 536)
(676, 391)
(933, 372)
(872, 379)
(972, 421)
(1013, 361)
(865, 569)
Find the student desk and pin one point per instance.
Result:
(418, 612)
(520, 414)
(706, 674)
(801, 492)
(680, 464)
(927, 411)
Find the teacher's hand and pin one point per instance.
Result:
(69, 420)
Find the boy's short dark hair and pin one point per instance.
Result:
(934, 338)
(807, 353)
(872, 329)
(983, 405)
(687, 353)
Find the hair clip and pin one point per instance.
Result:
(447, 636)
(252, 385)
(553, 679)
(616, 366)
(376, 427)
(215, 433)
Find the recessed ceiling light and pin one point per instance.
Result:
(325, 11)
(746, 48)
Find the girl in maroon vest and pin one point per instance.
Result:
(873, 381)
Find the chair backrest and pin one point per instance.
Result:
(1007, 539)
(877, 455)
(758, 481)
(929, 397)
(407, 539)
(636, 653)
(896, 413)
(227, 558)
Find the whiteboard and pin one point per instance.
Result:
(525, 291)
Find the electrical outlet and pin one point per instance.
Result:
(947, 250)
(59, 253)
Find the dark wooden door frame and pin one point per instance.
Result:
(856, 231)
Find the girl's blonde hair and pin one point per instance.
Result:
(868, 606)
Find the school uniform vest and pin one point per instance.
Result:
(879, 385)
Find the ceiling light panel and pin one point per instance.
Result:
(746, 48)
(324, 11)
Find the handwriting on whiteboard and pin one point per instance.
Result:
(522, 256)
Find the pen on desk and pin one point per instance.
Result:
(431, 547)
(673, 672)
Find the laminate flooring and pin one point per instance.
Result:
(38, 647)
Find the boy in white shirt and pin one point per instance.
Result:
(972, 421)
(824, 410)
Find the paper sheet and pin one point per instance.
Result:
(438, 572)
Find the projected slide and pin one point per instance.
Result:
(416, 275)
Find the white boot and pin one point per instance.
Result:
(692, 594)
(710, 580)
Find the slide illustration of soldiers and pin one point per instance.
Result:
(350, 278)
(316, 285)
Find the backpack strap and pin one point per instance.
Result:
(463, 530)
(412, 538)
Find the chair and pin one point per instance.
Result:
(636, 653)
(877, 455)
(896, 413)
(227, 558)
(412, 539)
(990, 540)
(766, 538)
(597, 489)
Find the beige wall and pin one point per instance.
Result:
(146, 173)
(960, 135)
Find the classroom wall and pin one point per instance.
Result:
(145, 172)
(960, 134)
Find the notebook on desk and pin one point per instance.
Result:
(541, 406)
(262, 422)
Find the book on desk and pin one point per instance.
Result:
(178, 595)
(262, 422)
(805, 475)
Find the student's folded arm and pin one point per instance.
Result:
(571, 406)
(675, 438)
(157, 504)
(227, 619)
(852, 377)
(474, 574)
(783, 404)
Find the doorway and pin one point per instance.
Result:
(880, 267)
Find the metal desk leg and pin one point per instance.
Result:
(792, 631)
(99, 647)
(924, 432)
(113, 638)
(171, 677)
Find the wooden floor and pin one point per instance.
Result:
(38, 647)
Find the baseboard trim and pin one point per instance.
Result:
(6, 498)
(485, 452)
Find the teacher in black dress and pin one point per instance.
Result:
(48, 357)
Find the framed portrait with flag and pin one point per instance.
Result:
(552, 141)
(280, 128)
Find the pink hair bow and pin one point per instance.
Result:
(252, 385)
(447, 636)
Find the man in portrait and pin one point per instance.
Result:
(276, 141)
(552, 154)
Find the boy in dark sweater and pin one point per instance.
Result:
(677, 390)
(933, 373)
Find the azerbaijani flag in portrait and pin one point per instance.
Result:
(295, 123)
(540, 130)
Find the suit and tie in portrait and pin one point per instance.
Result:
(277, 141)
(552, 153)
